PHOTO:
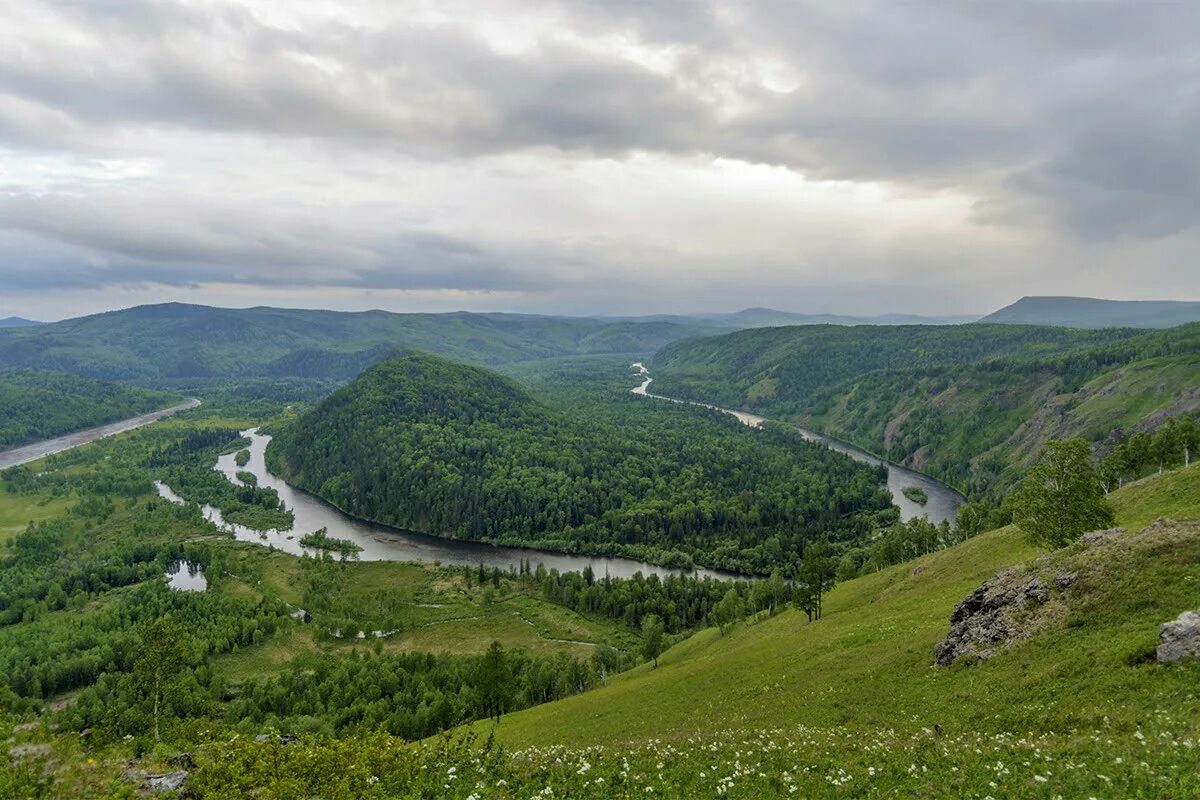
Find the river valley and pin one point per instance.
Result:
(943, 501)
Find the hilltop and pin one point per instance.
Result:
(428, 444)
(1090, 312)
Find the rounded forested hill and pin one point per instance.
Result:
(427, 444)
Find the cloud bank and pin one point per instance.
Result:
(587, 156)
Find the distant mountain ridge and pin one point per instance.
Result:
(760, 317)
(1091, 312)
(183, 341)
(17, 322)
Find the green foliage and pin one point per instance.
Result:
(728, 610)
(652, 638)
(1061, 497)
(321, 540)
(492, 682)
(426, 444)
(162, 653)
(1174, 444)
(916, 494)
(42, 405)
(411, 695)
(971, 405)
(192, 343)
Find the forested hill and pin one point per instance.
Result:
(784, 367)
(41, 405)
(178, 341)
(1089, 312)
(426, 444)
(970, 404)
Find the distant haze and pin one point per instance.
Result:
(616, 158)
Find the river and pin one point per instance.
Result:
(32, 452)
(383, 543)
(943, 500)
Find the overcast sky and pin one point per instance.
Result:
(580, 156)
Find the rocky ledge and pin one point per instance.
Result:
(1019, 601)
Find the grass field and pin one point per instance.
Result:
(18, 510)
(415, 606)
(868, 663)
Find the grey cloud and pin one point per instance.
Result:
(932, 94)
(1078, 119)
(66, 242)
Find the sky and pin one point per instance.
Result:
(584, 157)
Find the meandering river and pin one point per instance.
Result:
(383, 543)
(32, 452)
(943, 500)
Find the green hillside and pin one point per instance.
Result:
(849, 706)
(181, 341)
(868, 662)
(971, 404)
(442, 447)
(37, 405)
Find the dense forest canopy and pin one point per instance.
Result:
(427, 444)
(37, 405)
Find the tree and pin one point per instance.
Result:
(1062, 496)
(162, 653)
(652, 637)
(971, 519)
(492, 682)
(817, 571)
(728, 610)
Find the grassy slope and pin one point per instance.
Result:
(868, 663)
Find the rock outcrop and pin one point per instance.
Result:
(168, 782)
(1093, 537)
(985, 620)
(1179, 639)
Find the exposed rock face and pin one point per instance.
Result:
(1180, 638)
(168, 782)
(1099, 536)
(984, 620)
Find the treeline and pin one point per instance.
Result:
(413, 695)
(37, 405)
(1175, 443)
(425, 444)
(682, 602)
